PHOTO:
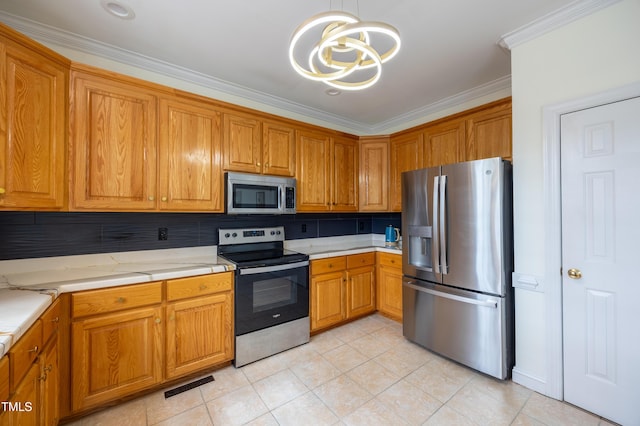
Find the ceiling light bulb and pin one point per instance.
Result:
(118, 9)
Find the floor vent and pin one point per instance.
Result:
(188, 386)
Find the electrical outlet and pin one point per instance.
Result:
(360, 226)
(304, 227)
(163, 234)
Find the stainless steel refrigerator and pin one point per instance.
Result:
(457, 261)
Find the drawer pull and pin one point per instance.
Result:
(34, 350)
(121, 300)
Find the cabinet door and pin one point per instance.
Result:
(189, 158)
(278, 149)
(444, 143)
(242, 144)
(199, 333)
(49, 385)
(33, 128)
(114, 144)
(361, 291)
(344, 181)
(25, 402)
(389, 293)
(328, 298)
(115, 355)
(313, 164)
(489, 133)
(374, 175)
(406, 154)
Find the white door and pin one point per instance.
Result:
(600, 163)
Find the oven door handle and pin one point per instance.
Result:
(273, 268)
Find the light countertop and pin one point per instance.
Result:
(29, 286)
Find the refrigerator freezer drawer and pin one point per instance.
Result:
(467, 327)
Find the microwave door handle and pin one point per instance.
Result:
(280, 201)
(443, 223)
(435, 238)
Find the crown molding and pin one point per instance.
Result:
(551, 21)
(54, 36)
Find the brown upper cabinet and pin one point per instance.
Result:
(406, 154)
(489, 132)
(33, 124)
(120, 163)
(444, 143)
(327, 172)
(374, 174)
(253, 146)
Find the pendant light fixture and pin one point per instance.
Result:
(344, 57)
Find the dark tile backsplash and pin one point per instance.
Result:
(25, 235)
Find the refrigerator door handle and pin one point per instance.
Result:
(486, 303)
(443, 224)
(435, 238)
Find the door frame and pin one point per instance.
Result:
(551, 114)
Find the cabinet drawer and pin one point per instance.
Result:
(332, 264)
(364, 259)
(24, 353)
(4, 379)
(184, 288)
(114, 299)
(388, 259)
(50, 320)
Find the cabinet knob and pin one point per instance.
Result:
(2, 191)
(47, 368)
(158, 320)
(34, 349)
(164, 198)
(203, 287)
(266, 164)
(56, 319)
(121, 300)
(151, 198)
(43, 377)
(258, 164)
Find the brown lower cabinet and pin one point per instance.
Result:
(389, 283)
(132, 338)
(32, 366)
(342, 288)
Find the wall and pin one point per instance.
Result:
(591, 55)
(43, 234)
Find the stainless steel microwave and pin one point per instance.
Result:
(247, 193)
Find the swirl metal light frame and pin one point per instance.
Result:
(343, 50)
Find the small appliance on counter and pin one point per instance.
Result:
(271, 292)
(391, 236)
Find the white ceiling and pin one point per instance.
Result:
(450, 52)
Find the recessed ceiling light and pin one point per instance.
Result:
(118, 9)
(332, 92)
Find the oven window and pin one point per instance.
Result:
(273, 293)
(255, 196)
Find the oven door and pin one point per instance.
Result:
(271, 295)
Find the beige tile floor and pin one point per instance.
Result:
(363, 373)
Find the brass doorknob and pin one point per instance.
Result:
(575, 274)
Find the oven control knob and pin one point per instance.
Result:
(234, 235)
(226, 235)
(278, 232)
(273, 232)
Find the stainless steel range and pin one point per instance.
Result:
(271, 292)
